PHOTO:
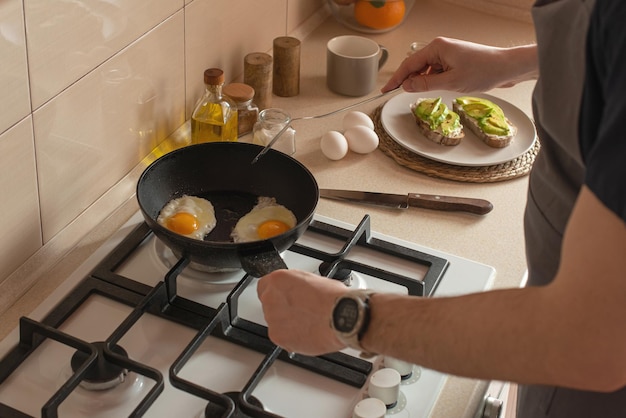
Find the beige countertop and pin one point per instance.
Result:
(495, 239)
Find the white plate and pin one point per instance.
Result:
(399, 123)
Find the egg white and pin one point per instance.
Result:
(266, 209)
(200, 208)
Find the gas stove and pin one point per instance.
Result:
(136, 331)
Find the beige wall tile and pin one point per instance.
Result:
(300, 10)
(66, 39)
(13, 71)
(220, 33)
(89, 136)
(19, 224)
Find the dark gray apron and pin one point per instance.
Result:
(554, 184)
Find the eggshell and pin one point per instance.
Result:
(334, 145)
(356, 118)
(361, 139)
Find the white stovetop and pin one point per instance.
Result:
(462, 276)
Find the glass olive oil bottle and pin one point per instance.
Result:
(215, 116)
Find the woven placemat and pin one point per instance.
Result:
(515, 168)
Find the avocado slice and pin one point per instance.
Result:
(432, 111)
(426, 107)
(451, 123)
(477, 110)
(494, 125)
(489, 115)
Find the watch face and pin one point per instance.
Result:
(346, 315)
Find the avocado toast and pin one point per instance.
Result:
(486, 120)
(437, 122)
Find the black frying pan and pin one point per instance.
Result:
(221, 172)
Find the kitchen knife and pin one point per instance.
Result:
(418, 200)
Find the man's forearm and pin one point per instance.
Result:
(520, 64)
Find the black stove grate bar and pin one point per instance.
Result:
(29, 332)
(32, 334)
(220, 325)
(87, 287)
(342, 367)
(245, 403)
(437, 266)
(338, 366)
(361, 236)
(106, 268)
(144, 370)
(171, 276)
(245, 399)
(350, 363)
(190, 387)
(152, 299)
(8, 412)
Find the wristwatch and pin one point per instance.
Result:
(350, 318)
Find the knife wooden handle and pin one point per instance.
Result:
(450, 203)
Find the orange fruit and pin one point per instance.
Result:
(379, 14)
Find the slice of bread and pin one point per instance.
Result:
(437, 135)
(495, 141)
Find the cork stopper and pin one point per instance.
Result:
(213, 76)
(239, 92)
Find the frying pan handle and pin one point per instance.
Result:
(259, 262)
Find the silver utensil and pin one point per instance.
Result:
(343, 109)
(404, 201)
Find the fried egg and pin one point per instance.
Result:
(190, 216)
(266, 220)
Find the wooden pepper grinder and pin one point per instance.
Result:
(257, 73)
(286, 66)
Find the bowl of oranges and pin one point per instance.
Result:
(371, 16)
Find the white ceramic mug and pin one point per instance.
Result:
(352, 64)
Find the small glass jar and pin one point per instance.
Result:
(270, 122)
(247, 111)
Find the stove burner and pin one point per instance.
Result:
(343, 275)
(102, 375)
(194, 270)
(215, 411)
(350, 278)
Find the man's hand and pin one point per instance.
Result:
(455, 65)
(297, 306)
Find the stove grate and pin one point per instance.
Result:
(223, 322)
(33, 333)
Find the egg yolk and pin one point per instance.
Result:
(182, 223)
(269, 229)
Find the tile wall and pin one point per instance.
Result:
(90, 87)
